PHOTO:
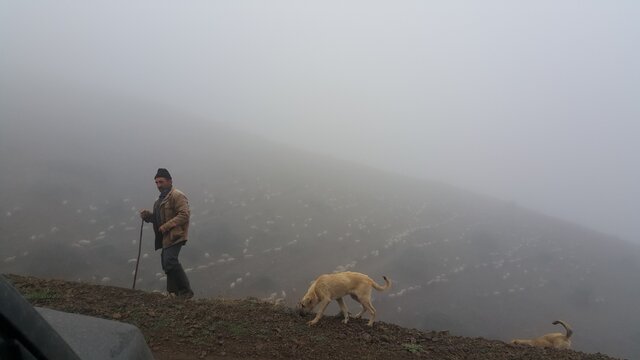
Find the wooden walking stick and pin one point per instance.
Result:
(135, 273)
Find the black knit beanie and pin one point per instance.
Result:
(162, 172)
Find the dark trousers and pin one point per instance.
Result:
(177, 281)
(169, 257)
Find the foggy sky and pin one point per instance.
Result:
(535, 102)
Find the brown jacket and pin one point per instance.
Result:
(174, 218)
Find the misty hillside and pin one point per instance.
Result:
(250, 328)
(267, 219)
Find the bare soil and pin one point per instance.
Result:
(253, 329)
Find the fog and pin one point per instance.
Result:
(535, 103)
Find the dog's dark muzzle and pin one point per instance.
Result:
(301, 310)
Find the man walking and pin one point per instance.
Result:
(170, 218)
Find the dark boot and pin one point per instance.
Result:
(182, 283)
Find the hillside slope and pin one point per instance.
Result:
(267, 219)
(242, 329)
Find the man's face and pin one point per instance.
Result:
(162, 183)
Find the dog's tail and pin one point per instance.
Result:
(566, 327)
(387, 283)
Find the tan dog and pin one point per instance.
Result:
(554, 340)
(330, 287)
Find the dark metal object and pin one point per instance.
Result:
(24, 334)
(28, 333)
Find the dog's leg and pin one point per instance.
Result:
(358, 315)
(343, 308)
(367, 304)
(323, 305)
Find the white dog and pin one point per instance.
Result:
(554, 340)
(330, 287)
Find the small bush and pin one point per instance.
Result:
(413, 348)
(41, 295)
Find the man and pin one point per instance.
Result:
(170, 218)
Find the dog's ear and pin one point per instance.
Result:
(305, 302)
(313, 294)
(309, 300)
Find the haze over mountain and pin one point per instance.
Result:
(267, 219)
(532, 102)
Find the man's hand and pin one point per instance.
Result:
(145, 214)
(164, 228)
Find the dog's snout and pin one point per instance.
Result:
(301, 309)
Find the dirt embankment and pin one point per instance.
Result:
(244, 329)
